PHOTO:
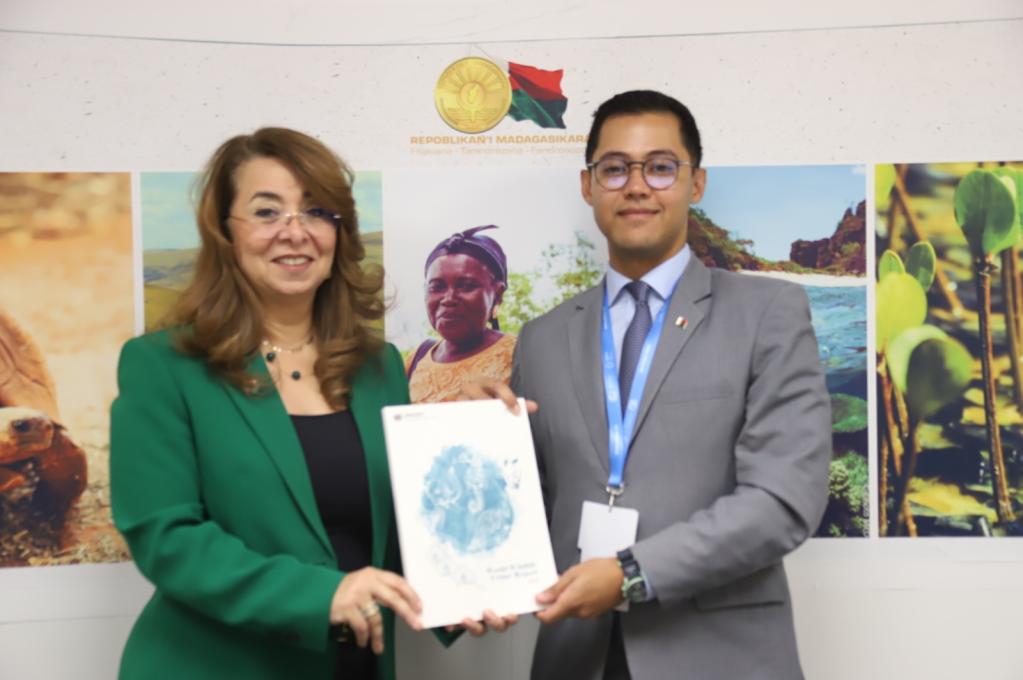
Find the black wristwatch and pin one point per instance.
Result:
(633, 584)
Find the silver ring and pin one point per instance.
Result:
(370, 610)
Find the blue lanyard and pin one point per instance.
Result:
(620, 426)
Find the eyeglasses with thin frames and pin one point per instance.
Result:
(270, 219)
(659, 172)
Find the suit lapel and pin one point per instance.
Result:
(368, 397)
(269, 420)
(587, 374)
(692, 289)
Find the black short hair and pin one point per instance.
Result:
(647, 101)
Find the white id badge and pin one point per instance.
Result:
(604, 530)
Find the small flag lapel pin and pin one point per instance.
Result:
(682, 322)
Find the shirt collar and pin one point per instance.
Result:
(661, 278)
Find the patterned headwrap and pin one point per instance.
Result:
(482, 248)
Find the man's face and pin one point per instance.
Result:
(643, 227)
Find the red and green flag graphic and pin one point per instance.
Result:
(537, 95)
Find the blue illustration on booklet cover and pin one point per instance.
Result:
(465, 501)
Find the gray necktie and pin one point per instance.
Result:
(632, 345)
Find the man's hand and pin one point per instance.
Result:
(584, 591)
(494, 389)
(490, 621)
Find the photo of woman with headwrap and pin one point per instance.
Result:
(466, 276)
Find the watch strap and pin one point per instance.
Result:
(633, 583)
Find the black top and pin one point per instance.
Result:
(337, 468)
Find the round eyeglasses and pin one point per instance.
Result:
(268, 219)
(658, 172)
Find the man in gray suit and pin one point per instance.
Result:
(681, 496)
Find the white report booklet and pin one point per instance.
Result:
(470, 513)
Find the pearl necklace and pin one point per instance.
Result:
(274, 350)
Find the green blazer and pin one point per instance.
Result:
(211, 491)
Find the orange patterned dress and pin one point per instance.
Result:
(432, 381)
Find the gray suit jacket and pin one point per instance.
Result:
(728, 469)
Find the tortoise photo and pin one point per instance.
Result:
(30, 429)
(30, 435)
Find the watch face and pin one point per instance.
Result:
(635, 590)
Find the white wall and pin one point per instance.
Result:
(771, 83)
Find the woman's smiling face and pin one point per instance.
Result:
(288, 260)
(460, 297)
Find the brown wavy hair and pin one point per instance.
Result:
(220, 315)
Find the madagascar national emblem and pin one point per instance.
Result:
(473, 94)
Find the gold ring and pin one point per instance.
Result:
(370, 610)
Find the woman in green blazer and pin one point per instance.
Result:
(248, 471)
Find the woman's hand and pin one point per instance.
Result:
(357, 601)
(490, 620)
(494, 389)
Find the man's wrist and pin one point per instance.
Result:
(634, 586)
(621, 577)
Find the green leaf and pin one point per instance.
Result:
(1016, 177)
(901, 347)
(939, 371)
(929, 368)
(943, 500)
(933, 436)
(889, 263)
(921, 263)
(985, 208)
(901, 304)
(884, 180)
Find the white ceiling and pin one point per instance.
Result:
(343, 22)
